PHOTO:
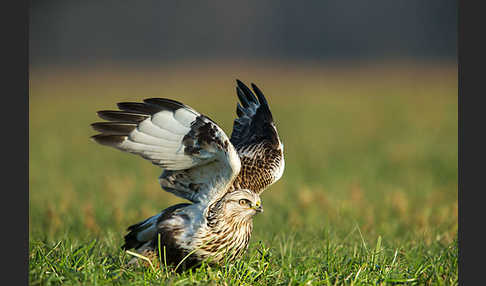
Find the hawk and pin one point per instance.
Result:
(221, 177)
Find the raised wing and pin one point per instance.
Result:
(256, 140)
(198, 159)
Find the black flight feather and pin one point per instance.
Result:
(259, 93)
(242, 97)
(253, 125)
(109, 140)
(122, 116)
(165, 103)
(144, 108)
(114, 128)
(247, 91)
(239, 110)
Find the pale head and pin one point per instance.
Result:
(243, 203)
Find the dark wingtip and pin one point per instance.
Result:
(139, 107)
(165, 103)
(109, 140)
(259, 94)
(123, 116)
(114, 128)
(241, 84)
(242, 97)
(247, 92)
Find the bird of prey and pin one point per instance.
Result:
(221, 177)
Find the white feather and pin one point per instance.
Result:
(141, 147)
(165, 120)
(145, 138)
(185, 117)
(173, 159)
(280, 170)
(148, 127)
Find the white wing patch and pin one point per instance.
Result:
(184, 116)
(148, 127)
(198, 159)
(150, 139)
(165, 120)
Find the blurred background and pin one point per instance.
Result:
(364, 94)
(156, 32)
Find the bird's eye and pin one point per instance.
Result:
(244, 202)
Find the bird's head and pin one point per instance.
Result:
(243, 202)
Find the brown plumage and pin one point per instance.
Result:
(221, 177)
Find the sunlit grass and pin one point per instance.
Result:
(369, 193)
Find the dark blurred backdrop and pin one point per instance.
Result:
(153, 31)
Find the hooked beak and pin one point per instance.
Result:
(258, 208)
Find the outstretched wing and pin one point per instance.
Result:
(256, 140)
(198, 159)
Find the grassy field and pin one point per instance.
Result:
(368, 196)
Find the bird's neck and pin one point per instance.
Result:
(224, 238)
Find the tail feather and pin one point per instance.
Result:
(142, 234)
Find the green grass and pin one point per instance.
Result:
(368, 196)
